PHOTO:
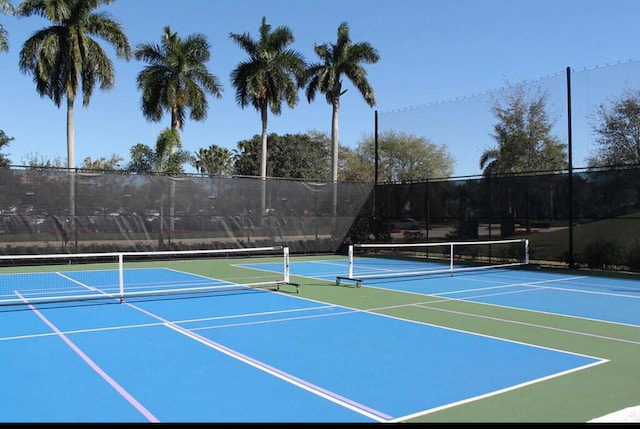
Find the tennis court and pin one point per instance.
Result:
(187, 341)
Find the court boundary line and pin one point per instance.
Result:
(442, 295)
(426, 306)
(308, 277)
(149, 325)
(374, 311)
(93, 365)
(565, 279)
(286, 319)
(232, 353)
(317, 262)
(283, 375)
(262, 366)
(404, 418)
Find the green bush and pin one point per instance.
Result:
(632, 257)
(601, 253)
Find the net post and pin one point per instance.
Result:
(109, 267)
(286, 264)
(451, 257)
(121, 275)
(448, 265)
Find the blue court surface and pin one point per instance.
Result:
(270, 356)
(599, 298)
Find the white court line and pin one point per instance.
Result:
(285, 319)
(560, 280)
(406, 320)
(427, 306)
(91, 288)
(94, 366)
(320, 274)
(490, 394)
(504, 286)
(289, 378)
(145, 325)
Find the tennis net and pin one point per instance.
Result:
(383, 260)
(28, 279)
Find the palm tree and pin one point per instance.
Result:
(221, 160)
(214, 160)
(176, 79)
(202, 158)
(5, 8)
(64, 56)
(167, 158)
(4, 141)
(246, 157)
(343, 58)
(273, 73)
(493, 162)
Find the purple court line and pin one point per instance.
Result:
(93, 365)
(263, 365)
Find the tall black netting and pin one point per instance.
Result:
(601, 231)
(48, 211)
(594, 223)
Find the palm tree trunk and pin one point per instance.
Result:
(71, 161)
(263, 148)
(334, 153)
(71, 169)
(175, 124)
(172, 207)
(263, 160)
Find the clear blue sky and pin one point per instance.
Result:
(430, 51)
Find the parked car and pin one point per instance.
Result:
(405, 223)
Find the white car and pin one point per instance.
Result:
(405, 223)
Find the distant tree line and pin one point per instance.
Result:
(402, 157)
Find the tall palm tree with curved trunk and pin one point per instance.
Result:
(5, 8)
(273, 73)
(66, 60)
(65, 57)
(343, 58)
(176, 79)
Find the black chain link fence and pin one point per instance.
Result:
(592, 223)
